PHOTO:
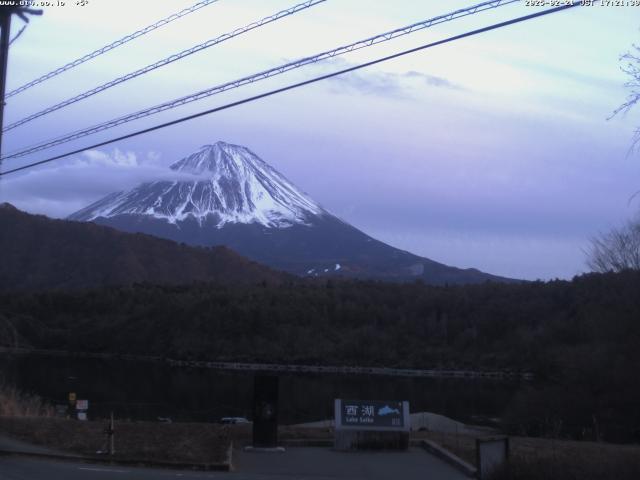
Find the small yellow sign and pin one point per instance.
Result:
(72, 397)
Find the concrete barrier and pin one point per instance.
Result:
(447, 456)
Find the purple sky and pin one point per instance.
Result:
(493, 152)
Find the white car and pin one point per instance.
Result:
(233, 420)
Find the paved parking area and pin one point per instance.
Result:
(323, 463)
(297, 463)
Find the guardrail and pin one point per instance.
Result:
(274, 367)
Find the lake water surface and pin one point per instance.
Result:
(146, 391)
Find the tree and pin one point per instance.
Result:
(619, 249)
(631, 67)
(616, 250)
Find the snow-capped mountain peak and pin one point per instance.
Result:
(217, 159)
(231, 184)
(224, 194)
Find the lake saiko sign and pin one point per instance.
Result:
(374, 414)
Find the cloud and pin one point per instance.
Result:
(432, 80)
(117, 158)
(385, 84)
(60, 189)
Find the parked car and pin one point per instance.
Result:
(233, 420)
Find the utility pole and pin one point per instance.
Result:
(6, 11)
(5, 25)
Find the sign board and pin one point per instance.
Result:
(72, 398)
(82, 416)
(82, 405)
(374, 415)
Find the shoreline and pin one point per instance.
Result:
(285, 368)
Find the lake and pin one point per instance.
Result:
(145, 390)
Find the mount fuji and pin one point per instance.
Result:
(225, 194)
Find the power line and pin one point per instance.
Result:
(166, 61)
(298, 85)
(383, 37)
(111, 46)
(17, 35)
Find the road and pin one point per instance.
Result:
(325, 463)
(21, 468)
(295, 464)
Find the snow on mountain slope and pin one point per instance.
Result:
(231, 184)
(225, 195)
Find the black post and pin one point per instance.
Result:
(5, 18)
(265, 411)
(112, 446)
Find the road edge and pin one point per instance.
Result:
(218, 467)
(453, 460)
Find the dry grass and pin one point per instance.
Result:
(202, 443)
(549, 459)
(605, 465)
(531, 458)
(144, 441)
(14, 403)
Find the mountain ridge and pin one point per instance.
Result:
(230, 182)
(40, 252)
(227, 195)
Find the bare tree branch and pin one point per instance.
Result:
(616, 250)
(631, 67)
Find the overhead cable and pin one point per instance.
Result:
(166, 61)
(111, 46)
(296, 85)
(367, 42)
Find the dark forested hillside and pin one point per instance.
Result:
(520, 326)
(581, 338)
(38, 252)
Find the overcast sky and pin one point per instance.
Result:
(492, 152)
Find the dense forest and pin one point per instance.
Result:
(43, 253)
(580, 338)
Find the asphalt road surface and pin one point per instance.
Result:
(295, 463)
(324, 463)
(22, 468)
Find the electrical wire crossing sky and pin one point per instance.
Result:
(300, 84)
(166, 61)
(492, 151)
(255, 77)
(107, 48)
